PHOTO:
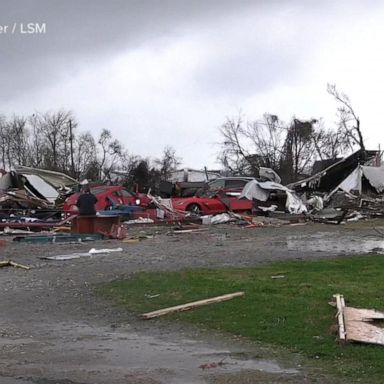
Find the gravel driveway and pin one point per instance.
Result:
(55, 330)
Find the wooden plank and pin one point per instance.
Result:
(17, 265)
(10, 263)
(340, 315)
(4, 263)
(187, 306)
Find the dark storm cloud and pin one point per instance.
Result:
(79, 32)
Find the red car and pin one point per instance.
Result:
(108, 195)
(218, 196)
(211, 205)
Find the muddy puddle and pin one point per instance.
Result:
(332, 244)
(72, 348)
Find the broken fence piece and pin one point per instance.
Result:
(357, 324)
(10, 263)
(194, 304)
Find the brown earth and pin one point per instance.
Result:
(55, 330)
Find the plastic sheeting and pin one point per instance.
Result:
(269, 174)
(5, 182)
(353, 182)
(375, 176)
(261, 190)
(253, 190)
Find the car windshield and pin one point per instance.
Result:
(125, 193)
(100, 189)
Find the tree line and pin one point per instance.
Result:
(51, 141)
(290, 148)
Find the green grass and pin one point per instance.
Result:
(292, 312)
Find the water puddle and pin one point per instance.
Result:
(169, 358)
(331, 243)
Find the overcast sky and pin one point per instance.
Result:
(168, 72)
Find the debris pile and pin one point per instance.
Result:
(29, 195)
(351, 188)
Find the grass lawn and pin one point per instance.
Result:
(290, 312)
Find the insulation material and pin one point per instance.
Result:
(46, 190)
(316, 202)
(294, 203)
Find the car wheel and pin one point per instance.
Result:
(194, 208)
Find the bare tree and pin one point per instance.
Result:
(35, 152)
(112, 153)
(18, 140)
(168, 163)
(84, 156)
(266, 137)
(234, 150)
(4, 142)
(329, 144)
(53, 128)
(349, 122)
(289, 149)
(298, 153)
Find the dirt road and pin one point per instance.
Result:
(55, 330)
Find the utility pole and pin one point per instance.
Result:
(71, 144)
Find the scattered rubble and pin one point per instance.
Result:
(348, 190)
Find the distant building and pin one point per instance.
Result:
(193, 175)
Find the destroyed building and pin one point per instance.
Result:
(25, 189)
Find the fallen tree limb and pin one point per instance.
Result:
(194, 304)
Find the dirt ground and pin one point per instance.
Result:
(55, 330)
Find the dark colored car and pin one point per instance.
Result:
(232, 186)
(107, 197)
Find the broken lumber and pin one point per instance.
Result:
(187, 306)
(362, 325)
(10, 263)
(4, 263)
(17, 265)
(357, 324)
(340, 315)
